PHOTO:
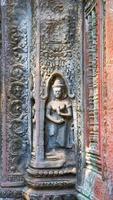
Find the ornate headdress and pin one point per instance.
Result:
(58, 83)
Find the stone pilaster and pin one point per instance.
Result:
(55, 57)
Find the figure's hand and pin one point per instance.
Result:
(60, 121)
(53, 119)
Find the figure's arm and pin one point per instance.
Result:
(51, 118)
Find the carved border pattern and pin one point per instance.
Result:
(11, 194)
(36, 184)
(52, 197)
(33, 56)
(51, 172)
(19, 93)
(79, 89)
(92, 156)
(16, 74)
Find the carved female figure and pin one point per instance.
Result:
(58, 117)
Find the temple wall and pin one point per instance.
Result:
(56, 147)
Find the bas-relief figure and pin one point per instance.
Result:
(59, 135)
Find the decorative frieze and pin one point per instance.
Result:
(15, 142)
(92, 87)
(52, 197)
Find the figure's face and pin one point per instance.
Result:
(57, 92)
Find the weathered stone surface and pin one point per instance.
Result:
(50, 196)
(56, 100)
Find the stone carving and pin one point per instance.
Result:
(57, 42)
(19, 127)
(55, 70)
(58, 132)
(53, 172)
(52, 197)
(55, 57)
(18, 93)
(15, 142)
(10, 194)
(59, 50)
(17, 89)
(59, 184)
(17, 72)
(92, 86)
(60, 40)
(55, 102)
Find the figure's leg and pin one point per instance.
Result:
(61, 136)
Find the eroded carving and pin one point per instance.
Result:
(19, 127)
(17, 89)
(17, 72)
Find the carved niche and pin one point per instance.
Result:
(59, 127)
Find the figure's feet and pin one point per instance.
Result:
(52, 152)
(51, 155)
(55, 155)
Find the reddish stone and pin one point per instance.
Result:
(100, 192)
(108, 100)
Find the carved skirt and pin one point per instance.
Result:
(56, 135)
